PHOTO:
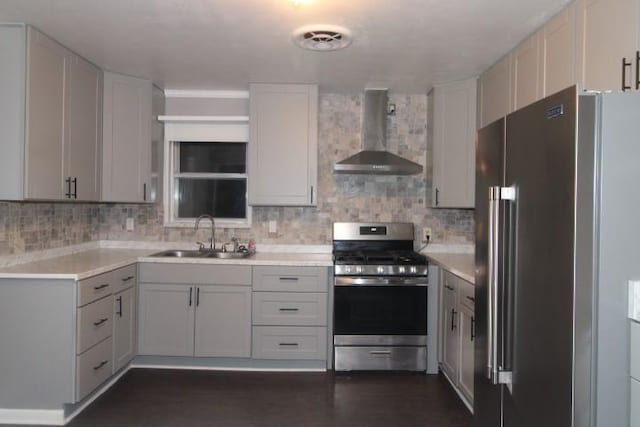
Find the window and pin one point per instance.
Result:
(208, 178)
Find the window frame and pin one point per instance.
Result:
(175, 133)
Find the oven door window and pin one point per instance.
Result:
(380, 310)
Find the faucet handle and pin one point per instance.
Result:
(201, 246)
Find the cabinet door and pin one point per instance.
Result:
(454, 131)
(525, 73)
(46, 64)
(467, 335)
(558, 52)
(494, 89)
(223, 321)
(126, 163)
(608, 32)
(166, 320)
(283, 147)
(83, 115)
(450, 333)
(124, 328)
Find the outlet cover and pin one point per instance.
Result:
(426, 234)
(129, 225)
(273, 227)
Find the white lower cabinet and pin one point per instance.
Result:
(124, 328)
(189, 317)
(457, 330)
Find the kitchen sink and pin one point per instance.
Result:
(207, 253)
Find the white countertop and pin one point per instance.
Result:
(460, 264)
(93, 261)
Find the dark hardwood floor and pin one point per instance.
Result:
(178, 398)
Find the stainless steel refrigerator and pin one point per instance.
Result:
(557, 240)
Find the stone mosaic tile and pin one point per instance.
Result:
(28, 227)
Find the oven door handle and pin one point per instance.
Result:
(380, 281)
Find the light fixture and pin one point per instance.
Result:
(298, 3)
(322, 37)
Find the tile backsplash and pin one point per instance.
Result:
(34, 226)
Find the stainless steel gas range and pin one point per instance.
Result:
(380, 298)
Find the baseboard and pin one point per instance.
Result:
(221, 368)
(32, 416)
(457, 390)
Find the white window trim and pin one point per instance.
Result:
(199, 132)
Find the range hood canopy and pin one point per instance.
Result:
(374, 159)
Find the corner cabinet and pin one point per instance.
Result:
(126, 139)
(454, 128)
(283, 145)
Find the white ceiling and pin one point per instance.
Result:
(406, 45)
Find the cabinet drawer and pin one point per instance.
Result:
(290, 279)
(94, 288)
(196, 274)
(635, 350)
(93, 368)
(380, 358)
(94, 323)
(279, 308)
(124, 278)
(289, 342)
(466, 292)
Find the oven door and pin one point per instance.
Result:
(380, 311)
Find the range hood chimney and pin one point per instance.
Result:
(374, 159)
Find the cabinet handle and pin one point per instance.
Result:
(97, 288)
(190, 297)
(449, 287)
(312, 194)
(437, 197)
(637, 69)
(453, 317)
(288, 309)
(100, 365)
(119, 313)
(288, 279)
(473, 328)
(100, 322)
(198, 297)
(144, 191)
(68, 182)
(126, 279)
(625, 64)
(288, 344)
(75, 188)
(472, 299)
(380, 352)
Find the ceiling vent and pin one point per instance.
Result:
(322, 37)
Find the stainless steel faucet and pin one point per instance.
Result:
(213, 229)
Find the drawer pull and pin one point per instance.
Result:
(97, 288)
(288, 344)
(472, 299)
(126, 279)
(380, 352)
(100, 322)
(288, 279)
(449, 287)
(104, 362)
(288, 309)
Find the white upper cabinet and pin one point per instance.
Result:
(283, 145)
(494, 92)
(608, 33)
(126, 139)
(558, 52)
(525, 73)
(454, 129)
(82, 139)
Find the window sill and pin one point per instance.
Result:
(191, 223)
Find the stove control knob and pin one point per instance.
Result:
(359, 269)
(381, 270)
(414, 270)
(347, 269)
(401, 269)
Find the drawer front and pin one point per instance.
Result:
(466, 293)
(196, 274)
(93, 368)
(296, 309)
(290, 279)
(94, 288)
(635, 350)
(635, 403)
(289, 342)
(124, 278)
(380, 358)
(94, 323)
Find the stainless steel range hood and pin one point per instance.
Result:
(374, 159)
